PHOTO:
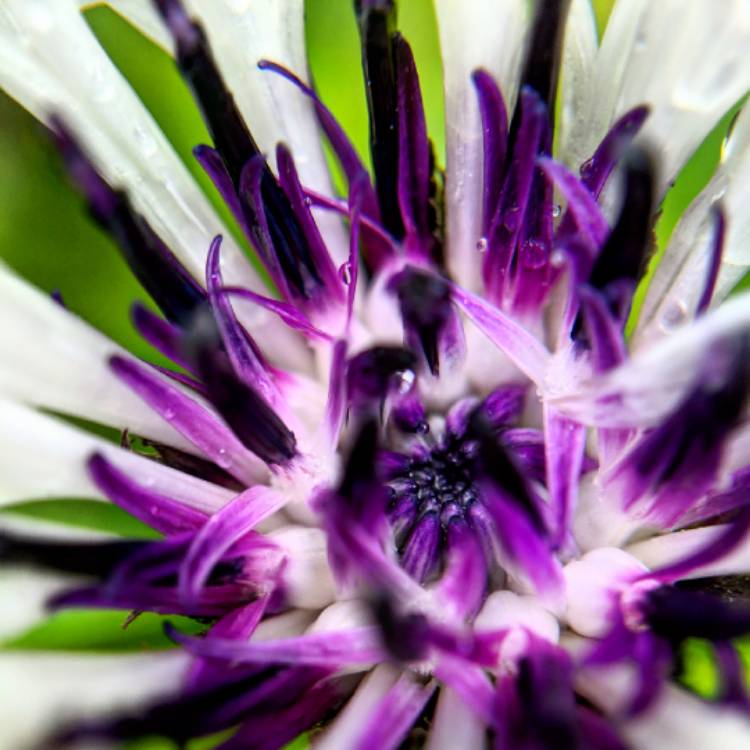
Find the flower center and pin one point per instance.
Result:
(434, 487)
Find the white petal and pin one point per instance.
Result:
(25, 591)
(590, 585)
(681, 720)
(141, 14)
(474, 34)
(578, 55)
(681, 274)
(51, 62)
(53, 359)
(455, 725)
(686, 60)
(649, 386)
(676, 720)
(40, 692)
(660, 551)
(41, 457)
(348, 724)
(24, 594)
(288, 625)
(308, 581)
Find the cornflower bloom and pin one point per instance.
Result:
(425, 493)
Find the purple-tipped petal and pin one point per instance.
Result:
(239, 346)
(584, 210)
(509, 218)
(161, 513)
(248, 414)
(173, 289)
(329, 649)
(377, 22)
(717, 247)
(190, 419)
(421, 551)
(596, 170)
(343, 148)
(321, 259)
(163, 336)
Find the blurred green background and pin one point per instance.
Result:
(46, 235)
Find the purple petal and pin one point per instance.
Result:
(163, 336)
(521, 347)
(337, 137)
(413, 148)
(720, 226)
(584, 210)
(329, 649)
(495, 136)
(565, 442)
(220, 532)
(239, 346)
(597, 169)
(321, 259)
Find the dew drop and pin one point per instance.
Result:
(675, 314)
(556, 211)
(405, 381)
(144, 140)
(482, 244)
(345, 273)
(307, 200)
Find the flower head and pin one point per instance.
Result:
(425, 488)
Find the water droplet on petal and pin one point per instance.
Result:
(345, 273)
(482, 244)
(556, 211)
(675, 314)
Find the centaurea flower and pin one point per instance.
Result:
(428, 492)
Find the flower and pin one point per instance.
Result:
(430, 491)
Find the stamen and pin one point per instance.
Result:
(97, 559)
(173, 289)
(238, 148)
(377, 22)
(249, 416)
(542, 67)
(626, 253)
(425, 303)
(676, 615)
(714, 265)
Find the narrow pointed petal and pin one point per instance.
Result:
(160, 512)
